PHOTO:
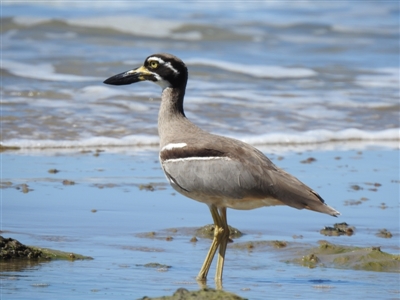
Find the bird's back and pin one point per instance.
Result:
(229, 173)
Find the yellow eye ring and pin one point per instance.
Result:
(154, 64)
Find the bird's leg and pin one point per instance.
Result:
(223, 244)
(218, 233)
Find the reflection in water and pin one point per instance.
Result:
(18, 265)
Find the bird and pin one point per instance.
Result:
(219, 171)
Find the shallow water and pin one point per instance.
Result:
(60, 216)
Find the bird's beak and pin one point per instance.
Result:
(132, 76)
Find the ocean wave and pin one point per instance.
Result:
(259, 71)
(138, 25)
(305, 138)
(324, 136)
(101, 141)
(382, 77)
(42, 72)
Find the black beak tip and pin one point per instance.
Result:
(114, 80)
(108, 81)
(117, 80)
(123, 78)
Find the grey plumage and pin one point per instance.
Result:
(216, 170)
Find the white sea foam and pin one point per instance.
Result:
(134, 140)
(259, 71)
(141, 26)
(323, 136)
(41, 71)
(364, 29)
(312, 137)
(383, 77)
(102, 92)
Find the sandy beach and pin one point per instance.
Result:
(115, 205)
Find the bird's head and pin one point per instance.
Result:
(164, 69)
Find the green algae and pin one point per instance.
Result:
(51, 254)
(207, 231)
(326, 255)
(349, 257)
(204, 294)
(155, 265)
(259, 245)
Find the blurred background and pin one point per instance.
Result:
(268, 72)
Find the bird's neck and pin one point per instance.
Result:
(171, 116)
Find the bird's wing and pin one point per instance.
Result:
(233, 170)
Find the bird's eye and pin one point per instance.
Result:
(154, 64)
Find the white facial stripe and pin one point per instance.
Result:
(156, 59)
(197, 158)
(173, 145)
(161, 82)
(158, 77)
(168, 64)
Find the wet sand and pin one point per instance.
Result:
(115, 206)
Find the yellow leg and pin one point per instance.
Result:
(220, 240)
(223, 244)
(218, 237)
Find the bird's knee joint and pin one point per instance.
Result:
(220, 231)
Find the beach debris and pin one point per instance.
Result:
(383, 205)
(279, 244)
(308, 160)
(352, 202)
(297, 236)
(5, 184)
(152, 186)
(338, 229)
(24, 188)
(68, 182)
(147, 187)
(105, 185)
(355, 202)
(356, 187)
(159, 267)
(375, 184)
(384, 233)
